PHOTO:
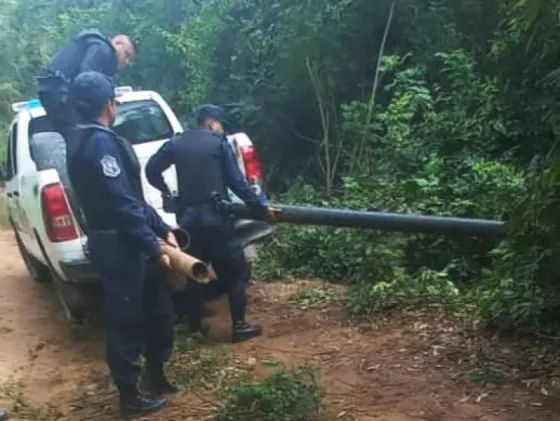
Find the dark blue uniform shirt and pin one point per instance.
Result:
(165, 157)
(109, 196)
(90, 50)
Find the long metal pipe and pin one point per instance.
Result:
(345, 218)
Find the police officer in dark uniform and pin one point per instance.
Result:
(124, 234)
(3, 415)
(90, 50)
(206, 167)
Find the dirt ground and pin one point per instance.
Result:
(411, 367)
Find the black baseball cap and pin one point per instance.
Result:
(212, 111)
(90, 91)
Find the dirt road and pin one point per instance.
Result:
(419, 367)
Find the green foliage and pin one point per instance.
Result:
(413, 165)
(513, 305)
(194, 366)
(522, 292)
(286, 395)
(428, 287)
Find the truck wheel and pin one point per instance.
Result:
(39, 272)
(250, 270)
(72, 298)
(251, 258)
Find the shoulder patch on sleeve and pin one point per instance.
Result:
(110, 166)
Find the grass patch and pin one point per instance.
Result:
(198, 369)
(195, 366)
(185, 341)
(286, 395)
(317, 297)
(429, 288)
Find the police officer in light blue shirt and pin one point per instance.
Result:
(124, 235)
(206, 166)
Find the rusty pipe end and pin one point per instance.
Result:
(201, 273)
(183, 238)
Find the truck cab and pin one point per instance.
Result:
(41, 207)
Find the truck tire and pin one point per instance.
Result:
(251, 258)
(38, 271)
(72, 298)
(75, 299)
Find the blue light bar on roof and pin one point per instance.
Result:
(26, 105)
(34, 103)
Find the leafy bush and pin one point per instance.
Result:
(522, 292)
(292, 395)
(511, 305)
(429, 287)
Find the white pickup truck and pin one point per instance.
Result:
(39, 200)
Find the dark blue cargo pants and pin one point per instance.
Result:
(216, 243)
(139, 311)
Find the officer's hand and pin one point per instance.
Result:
(165, 261)
(270, 215)
(171, 240)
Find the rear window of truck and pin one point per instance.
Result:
(142, 122)
(137, 121)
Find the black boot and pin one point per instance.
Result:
(155, 382)
(135, 405)
(243, 331)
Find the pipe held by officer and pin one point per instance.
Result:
(343, 218)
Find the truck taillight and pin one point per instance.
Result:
(57, 215)
(253, 169)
